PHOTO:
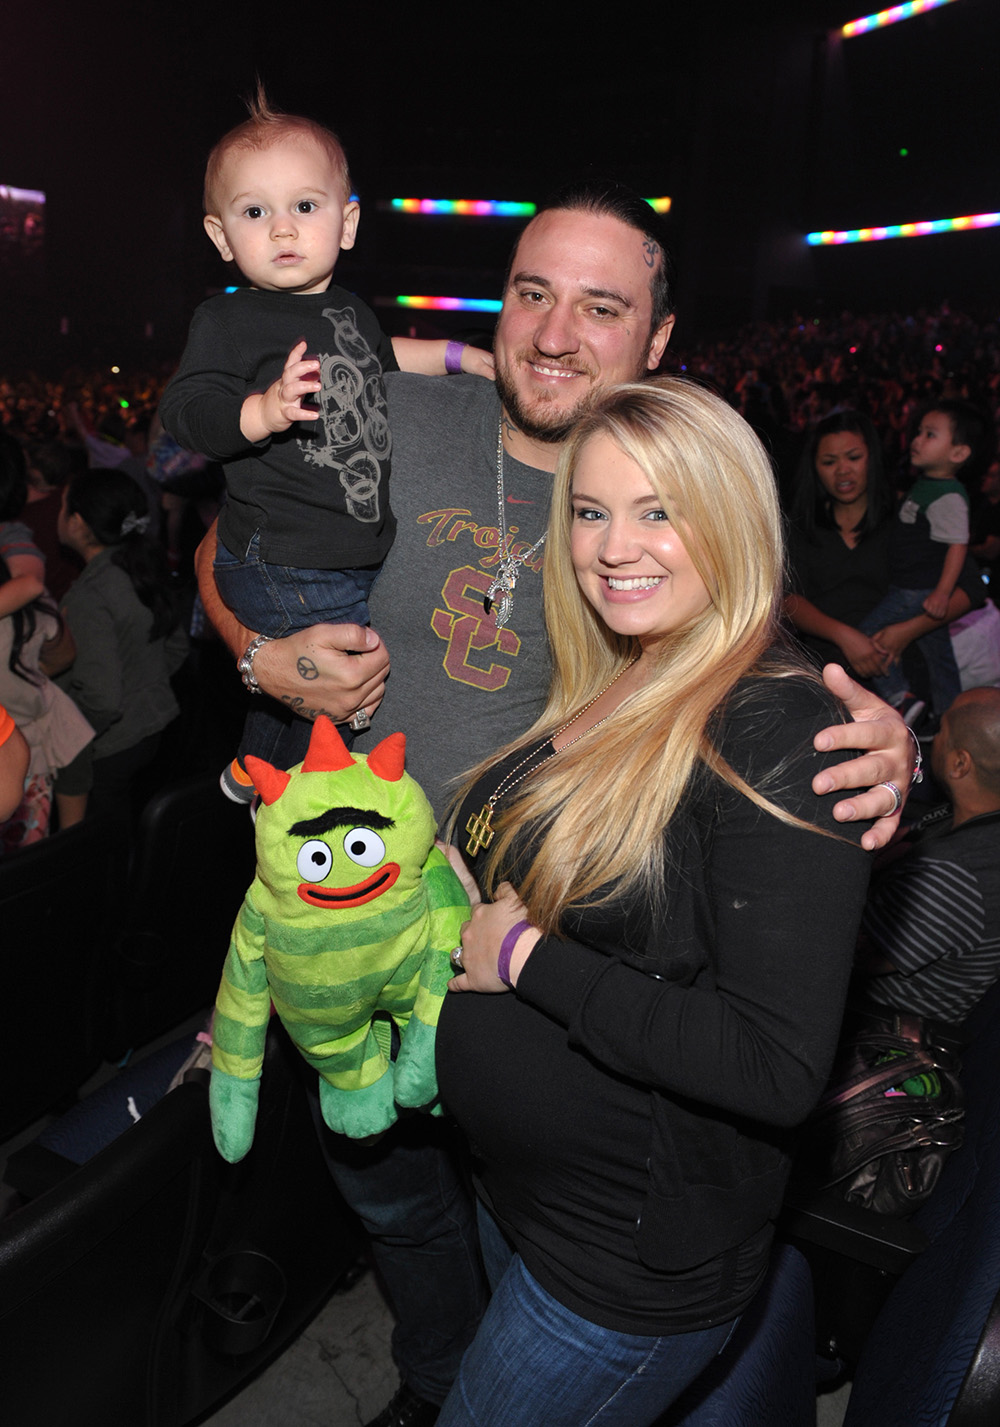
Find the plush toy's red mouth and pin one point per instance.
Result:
(367, 891)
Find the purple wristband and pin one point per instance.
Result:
(507, 951)
(453, 358)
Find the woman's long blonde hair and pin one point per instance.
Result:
(594, 816)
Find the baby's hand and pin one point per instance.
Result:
(936, 605)
(277, 408)
(477, 362)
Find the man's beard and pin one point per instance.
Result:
(549, 422)
(553, 430)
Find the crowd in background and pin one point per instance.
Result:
(784, 376)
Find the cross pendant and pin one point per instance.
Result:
(481, 830)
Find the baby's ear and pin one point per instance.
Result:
(215, 230)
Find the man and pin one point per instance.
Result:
(587, 303)
(931, 929)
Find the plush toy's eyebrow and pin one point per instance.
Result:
(339, 817)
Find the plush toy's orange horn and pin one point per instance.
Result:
(387, 758)
(327, 751)
(269, 781)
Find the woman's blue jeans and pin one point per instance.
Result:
(534, 1363)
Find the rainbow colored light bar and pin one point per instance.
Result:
(452, 304)
(889, 17)
(464, 207)
(485, 207)
(905, 230)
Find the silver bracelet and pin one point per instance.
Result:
(917, 776)
(245, 663)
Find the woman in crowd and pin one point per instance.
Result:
(121, 614)
(34, 645)
(838, 543)
(670, 913)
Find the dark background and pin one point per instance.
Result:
(755, 121)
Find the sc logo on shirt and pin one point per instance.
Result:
(467, 629)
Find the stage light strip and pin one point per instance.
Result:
(889, 17)
(904, 230)
(452, 304)
(464, 207)
(22, 195)
(484, 207)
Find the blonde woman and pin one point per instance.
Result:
(670, 914)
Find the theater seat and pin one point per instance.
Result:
(154, 1280)
(94, 1276)
(193, 859)
(59, 901)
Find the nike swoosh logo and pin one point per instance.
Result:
(513, 500)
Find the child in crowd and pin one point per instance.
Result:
(927, 548)
(307, 521)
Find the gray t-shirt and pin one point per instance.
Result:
(459, 688)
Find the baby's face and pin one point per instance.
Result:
(283, 215)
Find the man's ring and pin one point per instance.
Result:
(897, 800)
(360, 721)
(456, 960)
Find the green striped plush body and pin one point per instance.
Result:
(339, 975)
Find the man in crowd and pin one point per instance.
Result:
(587, 303)
(931, 929)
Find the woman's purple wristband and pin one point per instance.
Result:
(507, 951)
(453, 358)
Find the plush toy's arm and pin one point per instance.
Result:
(242, 1011)
(415, 1078)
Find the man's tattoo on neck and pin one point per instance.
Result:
(651, 252)
(509, 426)
(307, 669)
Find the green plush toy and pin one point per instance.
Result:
(346, 928)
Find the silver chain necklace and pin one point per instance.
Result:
(501, 591)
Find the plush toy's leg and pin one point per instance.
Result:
(233, 1106)
(415, 1079)
(359, 1113)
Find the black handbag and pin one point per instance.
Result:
(890, 1117)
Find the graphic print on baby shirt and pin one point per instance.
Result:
(353, 434)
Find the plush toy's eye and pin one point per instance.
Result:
(314, 861)
(364, 847)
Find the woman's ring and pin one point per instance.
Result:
(360, 721)
(456, 960)
(897, 800)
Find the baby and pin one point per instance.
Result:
(307, 521)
